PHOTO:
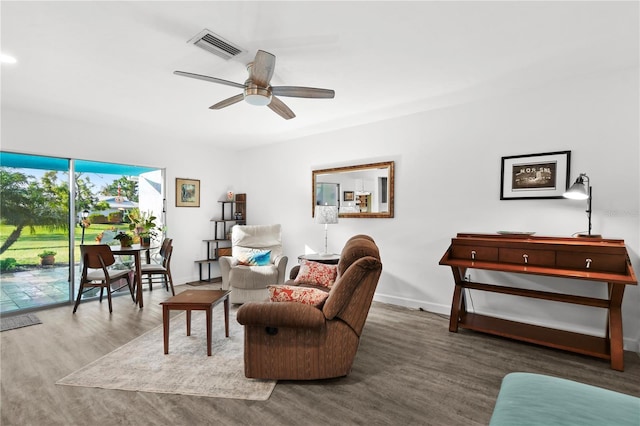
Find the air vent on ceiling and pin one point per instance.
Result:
(215, 44)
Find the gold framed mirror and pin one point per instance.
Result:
(363, 190)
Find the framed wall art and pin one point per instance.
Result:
(545, 175)
(187, 192)
(348, 196)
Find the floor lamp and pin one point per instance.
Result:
(326, 215)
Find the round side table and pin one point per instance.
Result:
(330, 259)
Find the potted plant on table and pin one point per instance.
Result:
(125, 239)
(47, 257)
(143, 224)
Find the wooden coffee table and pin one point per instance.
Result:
(198, 300)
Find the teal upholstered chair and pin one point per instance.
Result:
(527, 399)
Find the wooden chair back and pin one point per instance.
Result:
(165, 244)
(97, 256)
(167, 256)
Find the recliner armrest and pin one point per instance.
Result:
(279, 259)
(281, 264)
(226, 263)
(280, 314)
(294, 272)
(232, 260)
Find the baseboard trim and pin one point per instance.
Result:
(412, 303)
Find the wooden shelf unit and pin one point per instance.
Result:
(593, 259)
(220, 245)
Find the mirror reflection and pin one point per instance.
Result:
(364, 190)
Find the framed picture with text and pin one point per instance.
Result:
(545, 175)
(187, 192)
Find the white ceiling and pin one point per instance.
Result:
(113, 62)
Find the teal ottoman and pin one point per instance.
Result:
(534, 399)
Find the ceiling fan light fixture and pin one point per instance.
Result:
(257, 89)
(257, 96)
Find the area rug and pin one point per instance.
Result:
(141, 365)
(19, 321)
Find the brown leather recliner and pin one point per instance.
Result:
(295, 341)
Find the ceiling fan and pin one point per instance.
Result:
(257, 88)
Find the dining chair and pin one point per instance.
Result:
(156, 253)
(155, 271)
(96, 261)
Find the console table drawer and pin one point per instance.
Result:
(489, 254)
(527, 257)
(592, 261)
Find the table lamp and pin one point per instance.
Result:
(582, 190)
(326, 215)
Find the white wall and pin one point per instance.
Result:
(448, 181)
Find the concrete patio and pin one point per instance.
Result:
(33, 288)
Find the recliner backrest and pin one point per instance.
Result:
(355, 248)
(351, 295)
(247, 238)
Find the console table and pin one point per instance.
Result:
(593, 259)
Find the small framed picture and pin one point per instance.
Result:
(347, 196)
(187, 192)
(529, 176)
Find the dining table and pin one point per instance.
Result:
(134, 250)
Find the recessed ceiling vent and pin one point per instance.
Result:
(215, 44)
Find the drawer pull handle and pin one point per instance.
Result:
(473, 254)
(589, 263)
(526, 258)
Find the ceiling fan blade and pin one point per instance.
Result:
(280, 108)
(302, 92)
(230, 101)
(211, 79)
(261, 71)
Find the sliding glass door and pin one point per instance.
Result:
(106, 194)
(49, 206)
(34, 232)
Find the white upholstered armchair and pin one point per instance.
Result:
(249, 269)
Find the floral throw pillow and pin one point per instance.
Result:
(255, 258)
(316, 273)
(292, 293)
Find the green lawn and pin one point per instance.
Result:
(29, 245)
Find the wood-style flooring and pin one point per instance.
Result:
(409, 370)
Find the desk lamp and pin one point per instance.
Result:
(326, 215)
(579, 191)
